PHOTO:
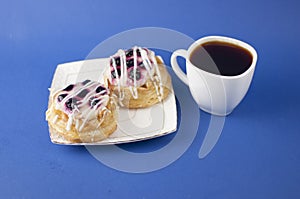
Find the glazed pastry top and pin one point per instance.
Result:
(133, 68)
(81, 101)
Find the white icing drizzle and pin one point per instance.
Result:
(147, 64)
(69, 123)
(104, 114)
(76, 124)
(150, 70)
(55, 119)
(134, 89)
(82, 103)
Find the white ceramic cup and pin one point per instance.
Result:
(214, 93)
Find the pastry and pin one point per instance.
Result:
(138, 78)
(81, 112)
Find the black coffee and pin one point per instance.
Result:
(221, 58)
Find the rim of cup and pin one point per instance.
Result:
(229, 40)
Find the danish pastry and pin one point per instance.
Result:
(138, 78)
(81, 112)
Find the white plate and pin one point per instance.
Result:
(133, 124)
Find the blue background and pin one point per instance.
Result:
(257, 155)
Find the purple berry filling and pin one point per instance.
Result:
(83, 93)
(85, 82)
(71, 103)
(61, 97)
(69, 88)
(129, 53)
(129, 63)
(137, 74)
(94, 101)
(99, 89)
(117, 61)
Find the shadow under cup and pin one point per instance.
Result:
(219, 72)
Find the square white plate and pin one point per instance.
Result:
(133, 124)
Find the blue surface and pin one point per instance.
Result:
(257, 155)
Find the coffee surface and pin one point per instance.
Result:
(221, 58)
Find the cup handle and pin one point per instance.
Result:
(182, 76)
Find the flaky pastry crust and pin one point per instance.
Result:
(91, 132)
